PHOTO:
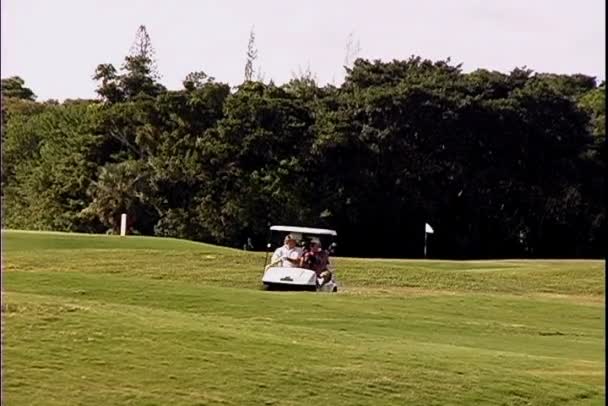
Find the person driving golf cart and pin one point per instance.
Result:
(289, 254)
(317, 259)
(288, 269)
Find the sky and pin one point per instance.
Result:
(55, 45)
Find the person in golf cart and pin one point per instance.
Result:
(289, 254)
(317, 259)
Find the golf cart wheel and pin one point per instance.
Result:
(335, 289)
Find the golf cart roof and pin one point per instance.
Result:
(304, 230)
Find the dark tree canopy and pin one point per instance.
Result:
(15, 87)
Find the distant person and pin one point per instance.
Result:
(248, 245)
(317, 259)
(289, 254)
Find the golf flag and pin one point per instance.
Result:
(428, 228)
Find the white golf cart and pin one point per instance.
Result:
(277, 276)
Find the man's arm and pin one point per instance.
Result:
(276, 255)
(295, 260)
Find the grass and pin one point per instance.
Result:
(146, 321)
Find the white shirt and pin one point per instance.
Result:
(285, 251)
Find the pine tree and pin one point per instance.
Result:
(142, 48)
(252, 54)
(141, 76)
(353, 49)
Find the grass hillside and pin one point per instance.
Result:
(142, 321)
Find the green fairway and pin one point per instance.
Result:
(146, 321)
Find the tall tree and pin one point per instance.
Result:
(141, 74)
(353, 49)
(252, 55)
(142, 47)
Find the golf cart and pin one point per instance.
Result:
(294, 277)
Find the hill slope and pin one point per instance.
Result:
(100, 319)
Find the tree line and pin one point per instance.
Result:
(500, 164)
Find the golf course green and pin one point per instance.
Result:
(105, 320)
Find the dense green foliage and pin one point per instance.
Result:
(502, 165)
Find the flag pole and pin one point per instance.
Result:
(425, 234)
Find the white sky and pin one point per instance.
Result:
(55, 45)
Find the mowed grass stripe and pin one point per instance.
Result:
(204, 264)
(457, 316)
(102, 336)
